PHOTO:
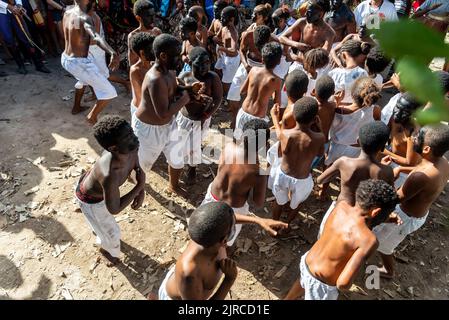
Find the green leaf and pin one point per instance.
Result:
(411, 38)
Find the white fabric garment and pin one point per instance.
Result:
(286, 188)
(132, 109)
(390, 235)
(314, 288)
(194, 136)
(154, 139)
(274, 160)
(242, 210)
(344, 132)
(163, 295)
(241, 119)
(103, 224)
(387, 111)
(87, 72)
(345, 78)
(239, 78)
(98, 56)
(371, 17)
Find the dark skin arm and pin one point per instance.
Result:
(285, 38)
(243, 50)
(330, 173)
(349, 273)
(420, 13)
(217, 95)
(89, 27)
(111, 192)
(412, 186)
(165, 110)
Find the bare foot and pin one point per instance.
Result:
(384, 273)
(91, 120)
(109, 260)
(152, 296)
(177, 191)
(80, 109)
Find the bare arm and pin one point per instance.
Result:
(217, 95)
(329, 40)
(286, 40)
(245, 85)
(157, 89)
(88, 26)
(259, 191)
(277, 92)
(349, 273)
(55, 5)
(243, 50)
(229, 268)
(268, 225)
(420, 12)
(111, 192)
(330, 173)
(412, 186)
(233, 51)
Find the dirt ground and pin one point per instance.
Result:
(47, 250)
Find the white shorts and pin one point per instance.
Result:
(132, 109)
(99, 58)
(390, 235)
(274, 161)
(326, 216)
(155, 139)
(219, 63)
(286, 188)
(194, 135)
(103, 224)
(314, 288)
(163, 295)
(402, 176)
(229, 67)
(242, 210)
(281, 70)
(88, 73)
(337, 150)
(241, 119)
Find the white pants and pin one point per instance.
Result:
(163, 295)
(88, 73)
(314, 288)
(194, 135)
(155, 139)
(104, 225)
(229, 66)
(390, 235)
(337, 150)
(241, 119)
(286, 188)
(242, 210)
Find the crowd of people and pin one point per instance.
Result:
(308, 74)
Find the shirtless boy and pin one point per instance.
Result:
(154, 121)
(423, 186)
(334, 261)
(239, 179)
(228, 47)
(373, 138)
(201, 266)
(293, 180)
(310, 32)
(189, 40)
(142, 44)
(194, 118)
(260, 86)
(144, 12)
(98, 193)
(78, 32)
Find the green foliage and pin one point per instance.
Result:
(413, 46)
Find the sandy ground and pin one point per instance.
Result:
(47, 250)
